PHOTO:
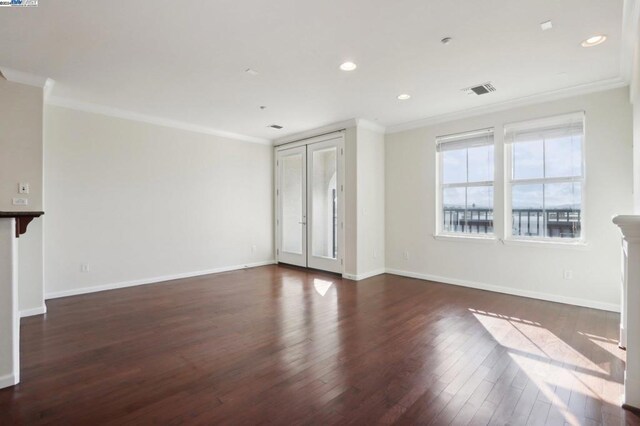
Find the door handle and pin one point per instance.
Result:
(302, 223)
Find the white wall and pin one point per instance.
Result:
(526, 270)
(364, 203)
(636, 153)
(350, 202)
(635, 99)
(371, 202)
(21, 162)
(139, 202)
(20, 144)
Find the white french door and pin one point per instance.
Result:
(324, 205)
(291, 193)
(309, 194)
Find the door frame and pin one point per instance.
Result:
(338, 139)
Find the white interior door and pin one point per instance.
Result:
(324, 205)
(291, 193)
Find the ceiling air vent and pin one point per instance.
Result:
(276, 126)
(480, 89)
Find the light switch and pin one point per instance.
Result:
(20, 201)
(23, 188)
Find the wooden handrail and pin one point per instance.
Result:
(22, 219)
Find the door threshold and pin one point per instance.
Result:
(310, 270)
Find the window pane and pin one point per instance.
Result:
(479, 217)
(527, 214)
(480, 163)
(453, 203)
(528, 160)
(454, 166)
(563, 156)
(563, 205)
(292, 203)
(324, 202)
(480, 197)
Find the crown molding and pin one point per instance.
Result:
(16, 76)
(583, 89)
(370, 125)
(318, 131)
(630, 28)
(47, 89)
(630, 54)
(150, 119)
(330, 128)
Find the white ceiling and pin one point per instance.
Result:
(185, 60)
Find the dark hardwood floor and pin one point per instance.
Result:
(284, 346)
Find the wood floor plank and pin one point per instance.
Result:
(264, 346)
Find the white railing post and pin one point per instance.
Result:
(630, 306)
(9, 318)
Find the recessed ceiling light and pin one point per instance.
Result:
(594, 40)
(404, 97)
(251, 71)
(446, 40)
(546, 25)
(348, 66)
(275, 126)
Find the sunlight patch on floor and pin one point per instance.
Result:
(609, 345)
(562, 374)
(321, 286)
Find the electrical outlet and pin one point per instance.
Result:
(20, 201)
(405, 254)
(375, 253)
(23, 188)
(567, 274)
(84, 267)
(253, 248)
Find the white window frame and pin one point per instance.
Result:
(558, 120)
(440, 233)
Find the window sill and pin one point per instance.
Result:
(465, 238)
(573, 245)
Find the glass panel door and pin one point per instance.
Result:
(292, 206)
(324, 205)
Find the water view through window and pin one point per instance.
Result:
(467, 170)
(545, 181)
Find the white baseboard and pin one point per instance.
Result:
(364, 276)
(513, 291)
(7, 380)
(464, 283)
(35, 311)
(154, 280)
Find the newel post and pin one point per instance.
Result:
(630, 306)
(12, 225)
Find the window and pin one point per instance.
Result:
(465, 204)
(546, 179)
